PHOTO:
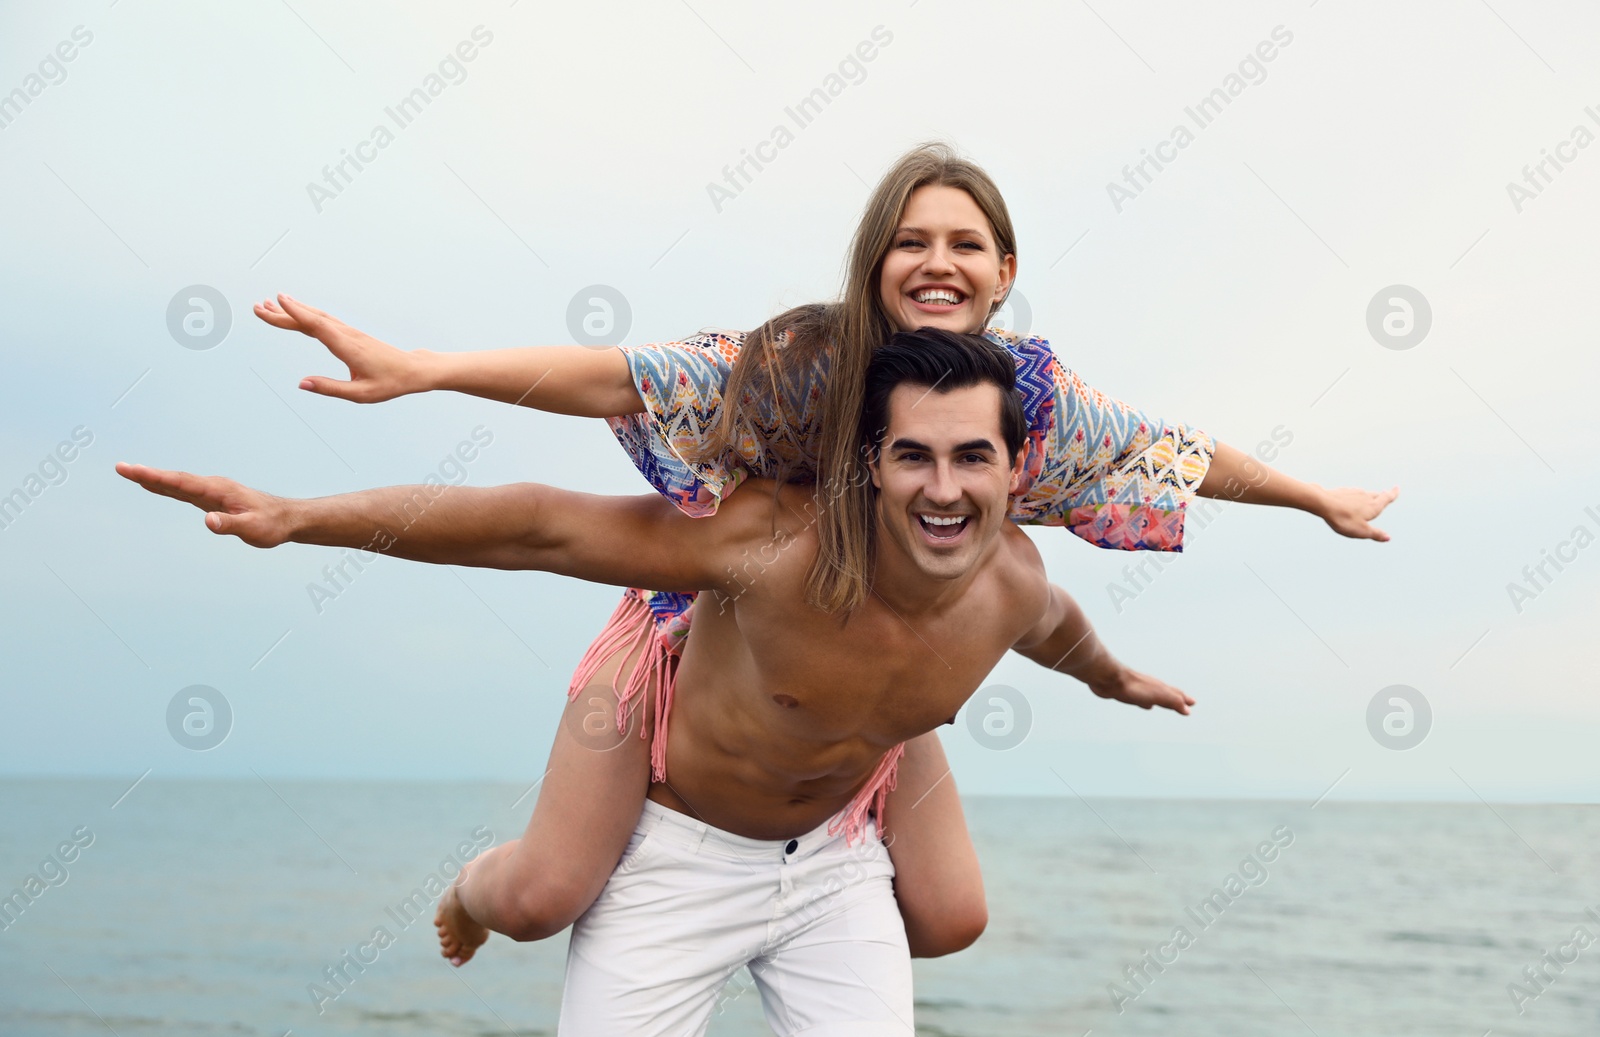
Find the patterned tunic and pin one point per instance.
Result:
(1107, 472)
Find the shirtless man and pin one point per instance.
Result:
(782, 712)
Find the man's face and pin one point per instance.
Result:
(943, 477)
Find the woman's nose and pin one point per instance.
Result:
(937, 259)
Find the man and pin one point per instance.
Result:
(782, 712)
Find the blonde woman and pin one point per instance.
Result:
(935, 247)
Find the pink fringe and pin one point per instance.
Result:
(874, 796)
(633, 625)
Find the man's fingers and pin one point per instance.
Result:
(225, 524)
(156, 480)
(339, 390)
(191, 489)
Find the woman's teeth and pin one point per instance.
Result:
(937, 296)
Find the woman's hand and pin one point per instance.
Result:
(578, 380)
(1349, 511)
(259, 519)
(378, 371)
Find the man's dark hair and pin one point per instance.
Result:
(941, 361)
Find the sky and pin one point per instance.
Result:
(1373, 251)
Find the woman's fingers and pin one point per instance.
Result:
(378, 371)
(295, 308)
(270, 313)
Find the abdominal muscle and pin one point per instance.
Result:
(753, 775)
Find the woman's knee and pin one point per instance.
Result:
(953, 928)
(546, 907)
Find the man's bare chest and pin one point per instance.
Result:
(877, 676)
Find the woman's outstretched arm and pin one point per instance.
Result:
(577, 380)
(1235, 475)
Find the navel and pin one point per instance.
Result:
(786, 701)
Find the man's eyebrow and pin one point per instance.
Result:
(972, 231)
(960, 448)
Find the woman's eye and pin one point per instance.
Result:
(909, 243)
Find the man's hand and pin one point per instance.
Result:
(378, 371)
(1142, 690)
(1350, 511)
(258, 519)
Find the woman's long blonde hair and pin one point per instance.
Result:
(776, 355)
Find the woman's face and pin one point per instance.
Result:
(943, 268)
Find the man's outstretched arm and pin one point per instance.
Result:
(1063, 640)
(627, 541)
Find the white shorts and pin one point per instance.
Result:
(814, 919)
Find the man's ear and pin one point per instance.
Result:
(873, 455)
(1017, 465)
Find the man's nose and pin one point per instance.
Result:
(943, 490)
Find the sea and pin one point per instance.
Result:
(253, 907)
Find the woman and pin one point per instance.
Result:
(935, 247)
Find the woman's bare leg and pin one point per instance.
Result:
(588, 807)
(937, 880)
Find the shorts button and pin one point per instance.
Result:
(794, 844)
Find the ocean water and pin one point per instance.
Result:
(216, 907)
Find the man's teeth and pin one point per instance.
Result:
(934, 520)
(937, 295)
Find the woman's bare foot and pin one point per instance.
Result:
(459, 936)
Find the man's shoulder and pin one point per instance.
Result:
(1017, 549)
(765, 510)
(1019, 569)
